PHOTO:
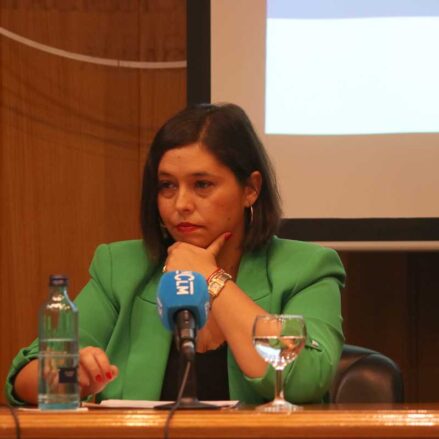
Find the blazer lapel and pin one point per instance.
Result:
(149, 350)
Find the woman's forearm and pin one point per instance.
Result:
(235, 313)
(26, 383)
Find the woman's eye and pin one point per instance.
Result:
(166, 186)
(203, 184)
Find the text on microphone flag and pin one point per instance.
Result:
(184, 282)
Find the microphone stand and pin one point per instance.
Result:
(189, 399)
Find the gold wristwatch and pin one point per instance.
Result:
(217, 282)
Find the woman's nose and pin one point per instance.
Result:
(184, 200)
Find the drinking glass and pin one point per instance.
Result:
(278, 339)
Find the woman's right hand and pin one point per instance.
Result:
(95, 370)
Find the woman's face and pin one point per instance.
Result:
(199, 198)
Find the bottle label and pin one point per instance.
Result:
(68, 375)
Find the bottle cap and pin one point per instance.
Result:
(58, 280)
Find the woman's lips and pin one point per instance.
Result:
(187, 227)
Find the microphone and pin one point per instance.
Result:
(183, 306)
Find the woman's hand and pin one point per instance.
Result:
(95, 370)
(184, 256)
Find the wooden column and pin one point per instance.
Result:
(74, 135)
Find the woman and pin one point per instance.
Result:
(210, 205)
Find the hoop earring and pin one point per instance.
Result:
(251, 216)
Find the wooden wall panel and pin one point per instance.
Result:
(162, 92)
(390, 304)
(73, 138)
(375, 305)
(425, 360)
(101, 28)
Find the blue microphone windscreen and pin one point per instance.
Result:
(180, 290)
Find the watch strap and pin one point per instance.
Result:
(216, 282)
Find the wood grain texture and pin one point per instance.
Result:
(74, 136)
(390, 304)
(313, 422)
(376, 306)
(424, 361)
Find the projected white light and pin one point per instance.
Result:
(332, 70)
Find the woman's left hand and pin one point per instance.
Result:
(184, 256)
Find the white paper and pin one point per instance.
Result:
(36, 409)
(125, 403)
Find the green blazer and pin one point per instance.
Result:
(118, 313)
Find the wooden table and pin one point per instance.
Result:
(353, 421)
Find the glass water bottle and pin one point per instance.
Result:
(58, 387)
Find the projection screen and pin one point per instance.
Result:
(345, 98)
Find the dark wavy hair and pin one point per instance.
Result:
(226, 131)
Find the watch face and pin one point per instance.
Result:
(215, 288)
(217, 283)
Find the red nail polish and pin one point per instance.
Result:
(227, 236)
(98, 378)
(109, 375)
